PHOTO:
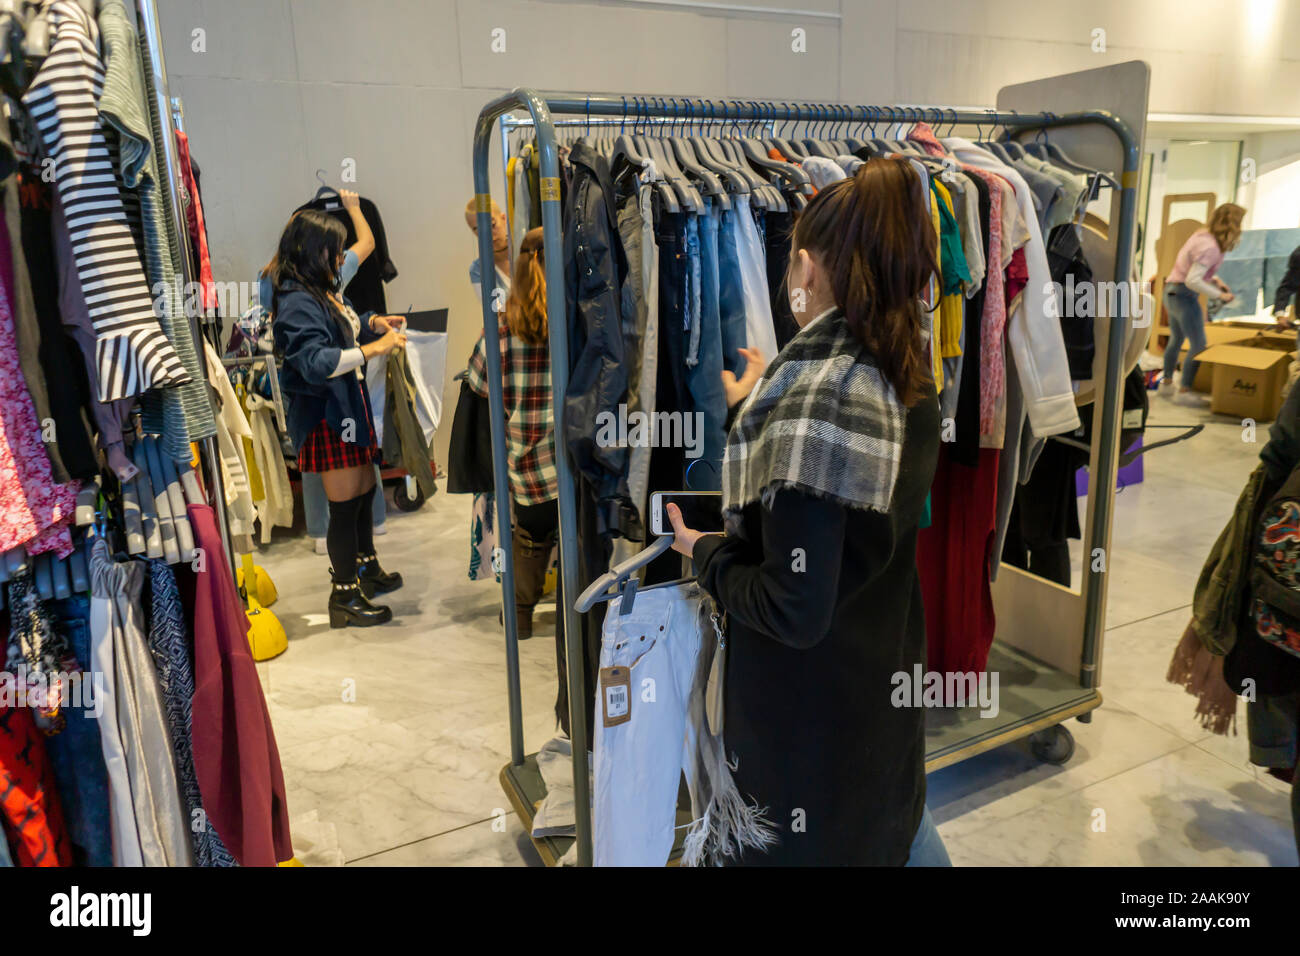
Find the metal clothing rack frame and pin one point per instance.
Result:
(169, 171)
(541, 108)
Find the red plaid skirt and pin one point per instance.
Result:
(325, 450)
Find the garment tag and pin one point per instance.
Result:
(616, 695)
(1132, 418)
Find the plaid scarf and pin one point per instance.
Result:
(822, 420)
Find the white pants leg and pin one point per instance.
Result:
(638, 763)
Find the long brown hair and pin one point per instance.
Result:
(878, 246)
(1225, 225)
(526, 304)
(309, 253)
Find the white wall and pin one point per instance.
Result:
(1273, 200)
(287, 86)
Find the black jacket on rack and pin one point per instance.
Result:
(594, 269)
(366, 290)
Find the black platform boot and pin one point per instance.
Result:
(374, 579)
(350, 607)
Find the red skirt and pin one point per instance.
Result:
(325, 450)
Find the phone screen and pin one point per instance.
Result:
(701, 510)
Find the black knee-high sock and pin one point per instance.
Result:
(366, 522)
(341, 540)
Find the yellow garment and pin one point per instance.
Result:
(936, 339)
(250, 460)
(510, 196)
(950, 306)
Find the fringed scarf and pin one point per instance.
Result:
(1197, 664)
(823, 420)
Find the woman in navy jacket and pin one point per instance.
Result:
(325, 346)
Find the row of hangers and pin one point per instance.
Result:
(151, 522)
(692, 159)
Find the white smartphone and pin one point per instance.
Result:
(701, 510)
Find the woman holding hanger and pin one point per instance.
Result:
(828, 463)
(325, 346)
(314, 502)
(1193, 276)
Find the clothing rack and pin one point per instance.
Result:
(167, 111)
(520, 778)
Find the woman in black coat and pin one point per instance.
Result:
(325, 346)
(827, 468)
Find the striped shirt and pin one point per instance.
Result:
(132, 353)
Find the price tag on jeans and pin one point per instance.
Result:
(616, 695)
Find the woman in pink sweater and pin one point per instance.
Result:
(1193, 276)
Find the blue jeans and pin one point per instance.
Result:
(704, 357)
(75, 752)
(1186, 321)
(316, 506)
(731, 295)
(927, 845)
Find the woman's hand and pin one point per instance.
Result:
(684, 538)
(350, 200)
(384, 323)
(392, 339)
(1227, 297)
(738, 389)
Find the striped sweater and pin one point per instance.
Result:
(132, 353)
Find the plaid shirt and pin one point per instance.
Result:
(530, 424)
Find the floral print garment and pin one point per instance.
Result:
(35, 511)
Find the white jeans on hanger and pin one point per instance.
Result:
(760, 331)
(638, 763)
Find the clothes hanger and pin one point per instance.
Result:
(785, 146)
(175, 498)
(621, 580)
(627, 149)
(326, 191)
(684, 153)
(763, 195)
(716, 164)
(190, 485)
(687, 195)
(60, 578)
(815, 145)
(42, 577)
(79, 571)
(755, 153)
(152, 520)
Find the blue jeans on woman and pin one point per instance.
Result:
(1186, 321)
(927, 845)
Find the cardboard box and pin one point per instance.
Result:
(1215, 334)
(1249, 376)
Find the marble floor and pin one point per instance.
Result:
(391, 738)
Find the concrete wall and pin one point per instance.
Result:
(275, 89)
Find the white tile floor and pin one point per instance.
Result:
(395, 735)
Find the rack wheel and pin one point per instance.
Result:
(1055, 745)
(403, 499)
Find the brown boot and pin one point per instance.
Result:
(530, 575)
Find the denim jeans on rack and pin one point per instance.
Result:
(75, 752)
(731, 294)
(316, 506)
(704, 375)
(694, 294)
(671, 394)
